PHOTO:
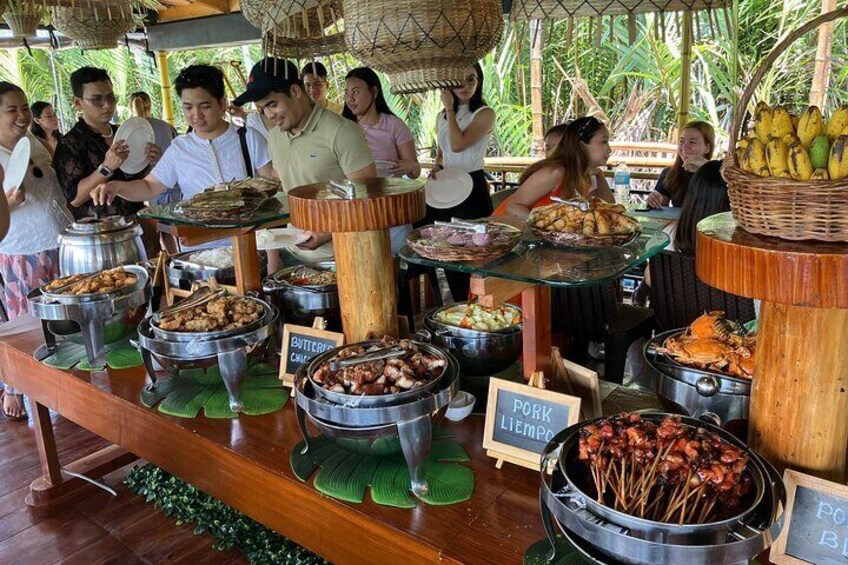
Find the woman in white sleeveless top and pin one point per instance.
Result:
(463, 130)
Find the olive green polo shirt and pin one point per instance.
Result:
(328, 148)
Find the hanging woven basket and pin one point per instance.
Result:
(422, 44)
(98, 28)
(23, 18)
(316, 32)
(269, 14)
(523, 10)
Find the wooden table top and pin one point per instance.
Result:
(245, 463)
(798, 273)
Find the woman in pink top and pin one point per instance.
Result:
(389, 139)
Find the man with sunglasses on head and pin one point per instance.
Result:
(88, 156)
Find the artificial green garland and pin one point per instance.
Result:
(233, 530)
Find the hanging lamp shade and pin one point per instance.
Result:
(422, 44)
(22, 17)
(560, 9)
(96, 27)
(269, 14)
(315, 32)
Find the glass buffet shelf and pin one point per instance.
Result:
(537, 262)
(168, 214)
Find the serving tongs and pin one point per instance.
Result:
(203, 295)
(392, 352)
(457, 223)
(64, 287)
(343, 189)
(578, 203)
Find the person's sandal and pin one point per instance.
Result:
(14, 413)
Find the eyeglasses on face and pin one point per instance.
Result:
(100, 101)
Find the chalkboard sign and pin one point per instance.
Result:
(520, 420)
(300, 345)
(815, 529)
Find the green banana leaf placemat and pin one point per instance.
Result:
(70, 353)
(346, 475)
(185, 395)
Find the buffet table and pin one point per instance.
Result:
(534, 267)
(245, 463)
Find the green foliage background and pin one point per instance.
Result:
(597, 70)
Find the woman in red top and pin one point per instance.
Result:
(572, 170)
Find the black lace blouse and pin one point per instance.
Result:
(79, 153)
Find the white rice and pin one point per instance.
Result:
(217, 257)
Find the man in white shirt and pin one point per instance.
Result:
(214, 152)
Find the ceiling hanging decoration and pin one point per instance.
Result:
(95, 26)
(23, 17)
(270, 14)
(422, 44)
(314, 32)
(562, 9)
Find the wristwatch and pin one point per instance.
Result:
(105, 171)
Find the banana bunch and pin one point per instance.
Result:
(799, 147)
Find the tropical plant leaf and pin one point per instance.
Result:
(390, 484)
(185, 401)
(67, 355)
(70, 353)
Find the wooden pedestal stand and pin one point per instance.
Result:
(359, 221)
(799, 401)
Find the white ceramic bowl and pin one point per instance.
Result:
(461, 406)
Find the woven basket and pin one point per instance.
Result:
(316, 32)
(451, 253)
(562, 9)
(422, 44)
(269, 14)
(784, 208)
(22, 18)
(98, 28)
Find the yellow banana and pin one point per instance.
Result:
(837, 122)
(756, 158)
(837, 166)
(820, 174)
(800, 167)
(741, 157)
(795, 121)
(790, 138)
(781, 122)
(810, 126)
(777, 155)
(762, 122)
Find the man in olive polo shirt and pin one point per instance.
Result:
(309, 143)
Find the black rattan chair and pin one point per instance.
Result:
(678, 296)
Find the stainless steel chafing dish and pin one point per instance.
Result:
(91, 314)
(378, 424)
(229, 350)
(182, 272)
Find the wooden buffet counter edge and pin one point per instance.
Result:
(245, 463)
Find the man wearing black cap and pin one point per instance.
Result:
(309, 143)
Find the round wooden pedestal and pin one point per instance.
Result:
(799, 401)
(359, 223)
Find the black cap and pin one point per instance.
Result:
(267, 75)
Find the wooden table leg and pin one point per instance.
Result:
(536, 309)
(799, 401)
(367, 293)
(51, 469)
(246, 260)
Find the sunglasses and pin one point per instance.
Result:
(100, 101)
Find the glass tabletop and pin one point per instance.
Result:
(538, 262)
(271, 212)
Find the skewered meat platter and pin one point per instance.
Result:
(232, 201)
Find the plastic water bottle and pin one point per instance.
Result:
(621, 183)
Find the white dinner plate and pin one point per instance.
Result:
(137, 132)
(279, 238)
(450, 188)
(18, 164)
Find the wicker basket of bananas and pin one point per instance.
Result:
(788, 177)
(567, 225)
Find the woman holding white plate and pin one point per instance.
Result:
(388, 137)
(29, 254)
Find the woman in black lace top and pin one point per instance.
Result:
(86, 157)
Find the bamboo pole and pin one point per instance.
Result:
(685, 72)
(536, 41)
(165, 80)
(821, 74)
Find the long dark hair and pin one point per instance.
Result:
(706, 196)
(476, 102)
(38, 131)
(570, 156)
(675, 181)
(369, 77)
